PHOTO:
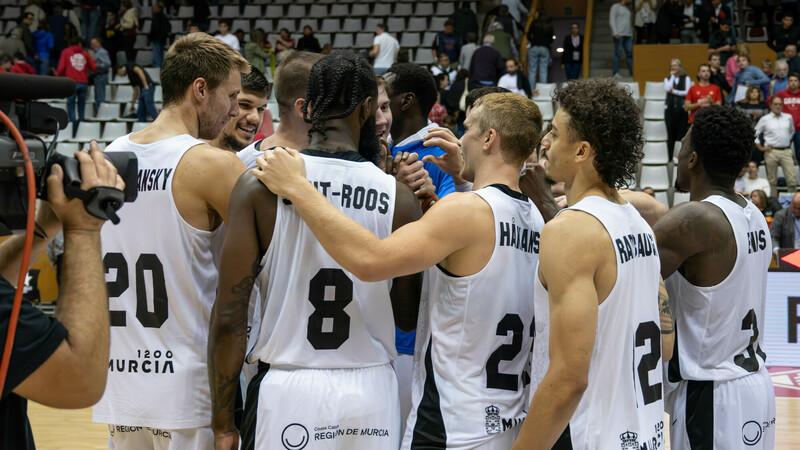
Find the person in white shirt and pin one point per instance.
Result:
(465, 58)
(621, 29)
(444, 67)
(384, 49)
(513, 81)
(752, 182)
(225, 35)
(777, 129)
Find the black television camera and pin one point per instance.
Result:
(32, 118)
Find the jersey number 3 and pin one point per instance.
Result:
(330, 292)
(147, 262)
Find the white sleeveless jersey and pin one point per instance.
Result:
(249, 154)
(314, 314)
(470, 385)
(161, 276)
(623, 403)
(717, 327)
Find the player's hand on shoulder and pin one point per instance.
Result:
(96, 171)
(281, 170)
(451, 162)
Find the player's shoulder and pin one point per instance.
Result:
(691, 220)
(213, 159)
(575, 230)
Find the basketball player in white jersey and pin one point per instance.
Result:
(598, 340)
(160, 269)
(469, 388)
(241, 131)
(326, 339)
(715, 251)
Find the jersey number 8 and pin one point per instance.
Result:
(330, 292)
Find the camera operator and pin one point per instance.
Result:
(59, 362)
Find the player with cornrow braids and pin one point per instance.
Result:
(323, 340)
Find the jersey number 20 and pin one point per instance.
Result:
(147, 262)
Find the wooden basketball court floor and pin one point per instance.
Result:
(58, 429)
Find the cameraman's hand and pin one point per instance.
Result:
(96, 170)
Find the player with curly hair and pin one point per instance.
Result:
(715, 251)
(596, 289)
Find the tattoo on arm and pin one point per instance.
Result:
(665, 310)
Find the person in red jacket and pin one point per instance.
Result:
(21, 65)
(75, 63)
(791, 105)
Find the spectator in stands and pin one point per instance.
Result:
(732, 66)
(717, 73)
(239, 33)
(35, 7)
(89, 15)
(443, 66)
(384, 49)
(768, 206)
(465, 22)
(516, 9)
(25, 23)
(447, 42)
(785, 34)
(453, 98)
(112, 36)
(467, 50)
(572, 58)
(790, 53)
(723, 42)
(72, 16)
(193, 28)
(785, 228)
(644, 19)
(540, 37)
(721, 14)
(777, 130)
(13, 43)
(284, 45)
(6, 63)
(752, 181)
(160, 29)
(690, 32)
(201, 14)
(514, 80)
(438, 111)
(753, 104)
(670, 16)
(75, 64)
(504, 42)
(259, 50)
(21, 65)
(738, 185)
(128, 24)
(57, 23)
(225, 34)
(103, 61)
(486, 66)
(144, 91)
(677, 85)
(620, 21)
(702, 94)
(43, 41)
(747, 76)
(241, 131)
(412, 93)
(509, 25)
(779, 79)
(308, 43)
(766, 67)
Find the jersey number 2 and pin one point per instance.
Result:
(146, 262)
(649, 331)
(510, 323)
(330, 292)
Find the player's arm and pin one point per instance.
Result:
(410, 249)
(210, 174)
(667, 321)
(374, 50)
(648, 207)
(568, 271)
(406, 290)
(533, 183)
(227, 342)
(678, 238)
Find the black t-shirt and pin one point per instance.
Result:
(134, 78)
(38, 336)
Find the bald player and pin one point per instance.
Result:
(597, 318)
(240, 132)
(715, 251)
(469, 388)
(160, 261)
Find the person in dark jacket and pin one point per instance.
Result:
(112, 36)
(785, 34)
(464, 21)
(717, 77)
(540, 37)
(27, 37)
(160, 29)
(572, 58)
(447, 42)
(670, 16)
(486, 66)
(308, 43)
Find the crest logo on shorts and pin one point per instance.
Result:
(630, 440)
(294, 437)
(492, 420)
(751, 432)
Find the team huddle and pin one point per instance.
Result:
(257, 289)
